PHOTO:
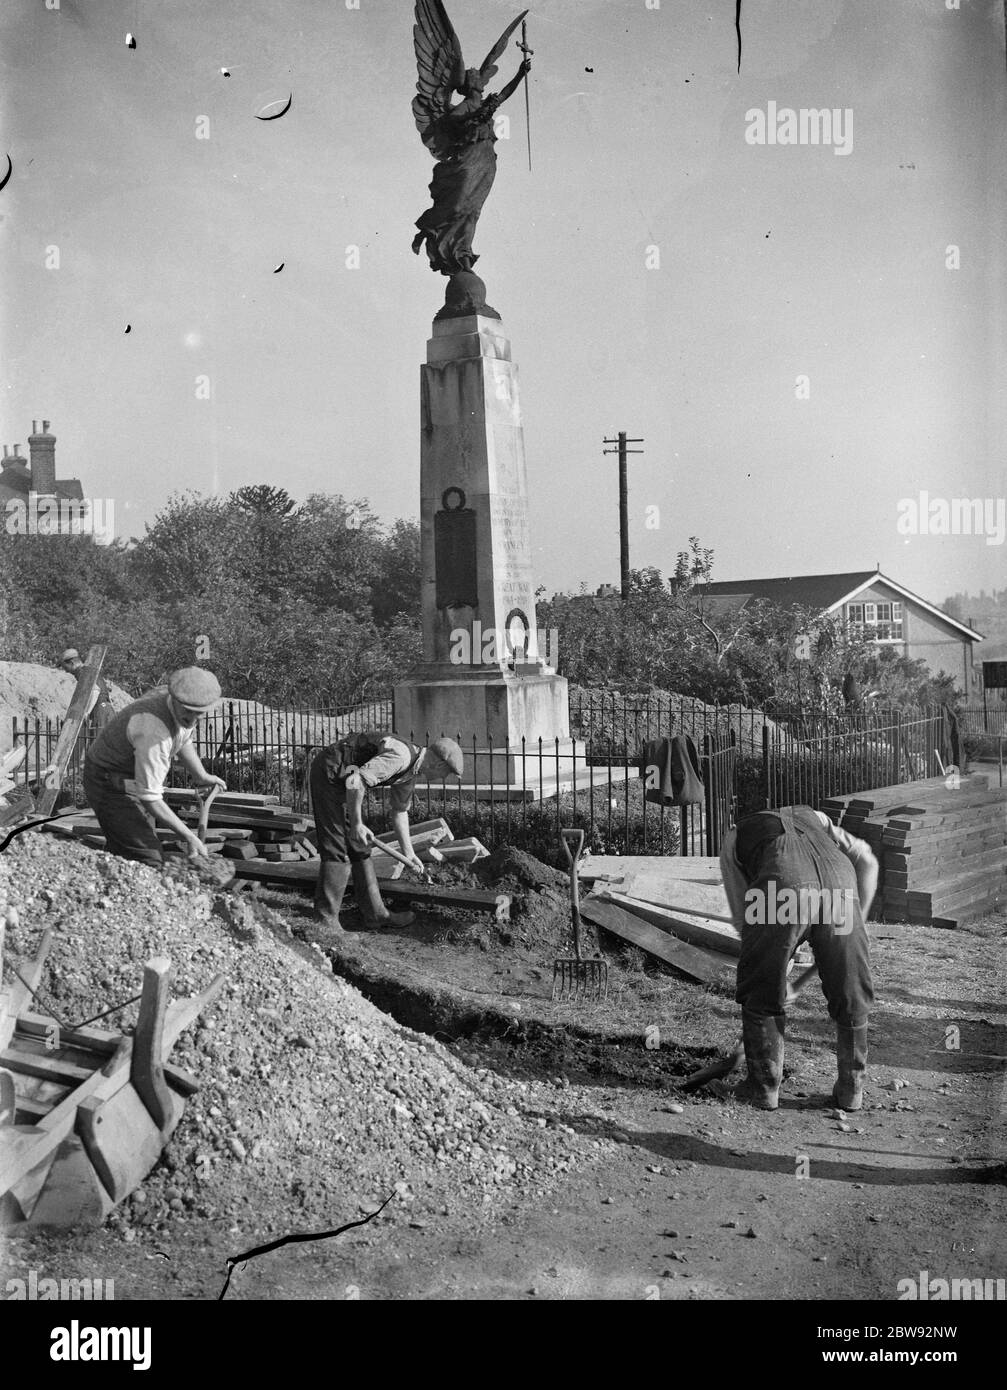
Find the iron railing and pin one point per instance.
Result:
(749, 760)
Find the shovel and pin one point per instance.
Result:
(575, 976)
(725, 1065)
(397, 854)
(205, 800)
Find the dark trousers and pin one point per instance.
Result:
(128, 828)
(328, 805)
(841, 949)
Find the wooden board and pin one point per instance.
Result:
(72, 1194)
(696, 929)
(695, 963)
(87, 680)
(14, 998)
(305, 876)
(694, 868)
(121, 1139)
(21, 1151)
(49, 1068)
(16, 805)
(176, 796)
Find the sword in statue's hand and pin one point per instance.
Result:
(528, 53)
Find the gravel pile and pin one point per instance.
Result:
(313, 1102)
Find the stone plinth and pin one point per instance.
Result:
(484, 673)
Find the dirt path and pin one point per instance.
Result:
(711, 1200)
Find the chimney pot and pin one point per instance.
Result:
(34, 427)
(45, 426)
(6, 452)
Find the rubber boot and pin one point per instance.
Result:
(333, 877)
(851, 1064)
(763, 1038)
(372, 909)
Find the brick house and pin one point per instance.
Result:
(20, 482)
(883, 610)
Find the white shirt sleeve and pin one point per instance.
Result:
(854, 848)
(735, 884)
(153, 749)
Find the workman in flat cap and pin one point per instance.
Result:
(340, 775)
(126, 766)
(100, 704)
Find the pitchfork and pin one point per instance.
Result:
(575, 976)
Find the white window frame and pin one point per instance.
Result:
(865, 618)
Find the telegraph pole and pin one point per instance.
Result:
(621, 442)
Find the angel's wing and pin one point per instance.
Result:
(488, 68)
(440, 69)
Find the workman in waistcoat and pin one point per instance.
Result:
(792, 876)
(126, 766)
(339, 778)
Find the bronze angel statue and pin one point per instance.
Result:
(460, 137)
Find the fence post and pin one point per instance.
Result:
(765, 766)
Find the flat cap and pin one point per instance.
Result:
(449, 752)
(194, 688)
(71, 654)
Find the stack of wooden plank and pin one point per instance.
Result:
(941, 845)
(257, 829)
(271, 843)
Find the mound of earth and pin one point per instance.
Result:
(313, 1102)
(512, 870)
(39, 692)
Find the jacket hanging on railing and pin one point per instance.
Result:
(670, 767)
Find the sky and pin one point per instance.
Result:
(779, 322)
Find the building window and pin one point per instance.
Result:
(877, 622)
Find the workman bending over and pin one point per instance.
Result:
(339, 776)
(793, 876)
(126, 766)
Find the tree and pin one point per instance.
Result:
(264, 500)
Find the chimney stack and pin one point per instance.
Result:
(43, 460)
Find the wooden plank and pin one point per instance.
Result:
(182, 1012)
(48, 1068)
(175, 796)
(422, 828)
(465, 851)
(694, 868)
(121, 1139)
(87, 680)
(435, 834)
(705, 967)
(698, 899)
(29, 1111)
(305, 876)
(72, 1195)
(15, 998)
(239, 849)
(20, 1151)
(8, 1099)
(699, 930)
(16, 805)
(146, 1072)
